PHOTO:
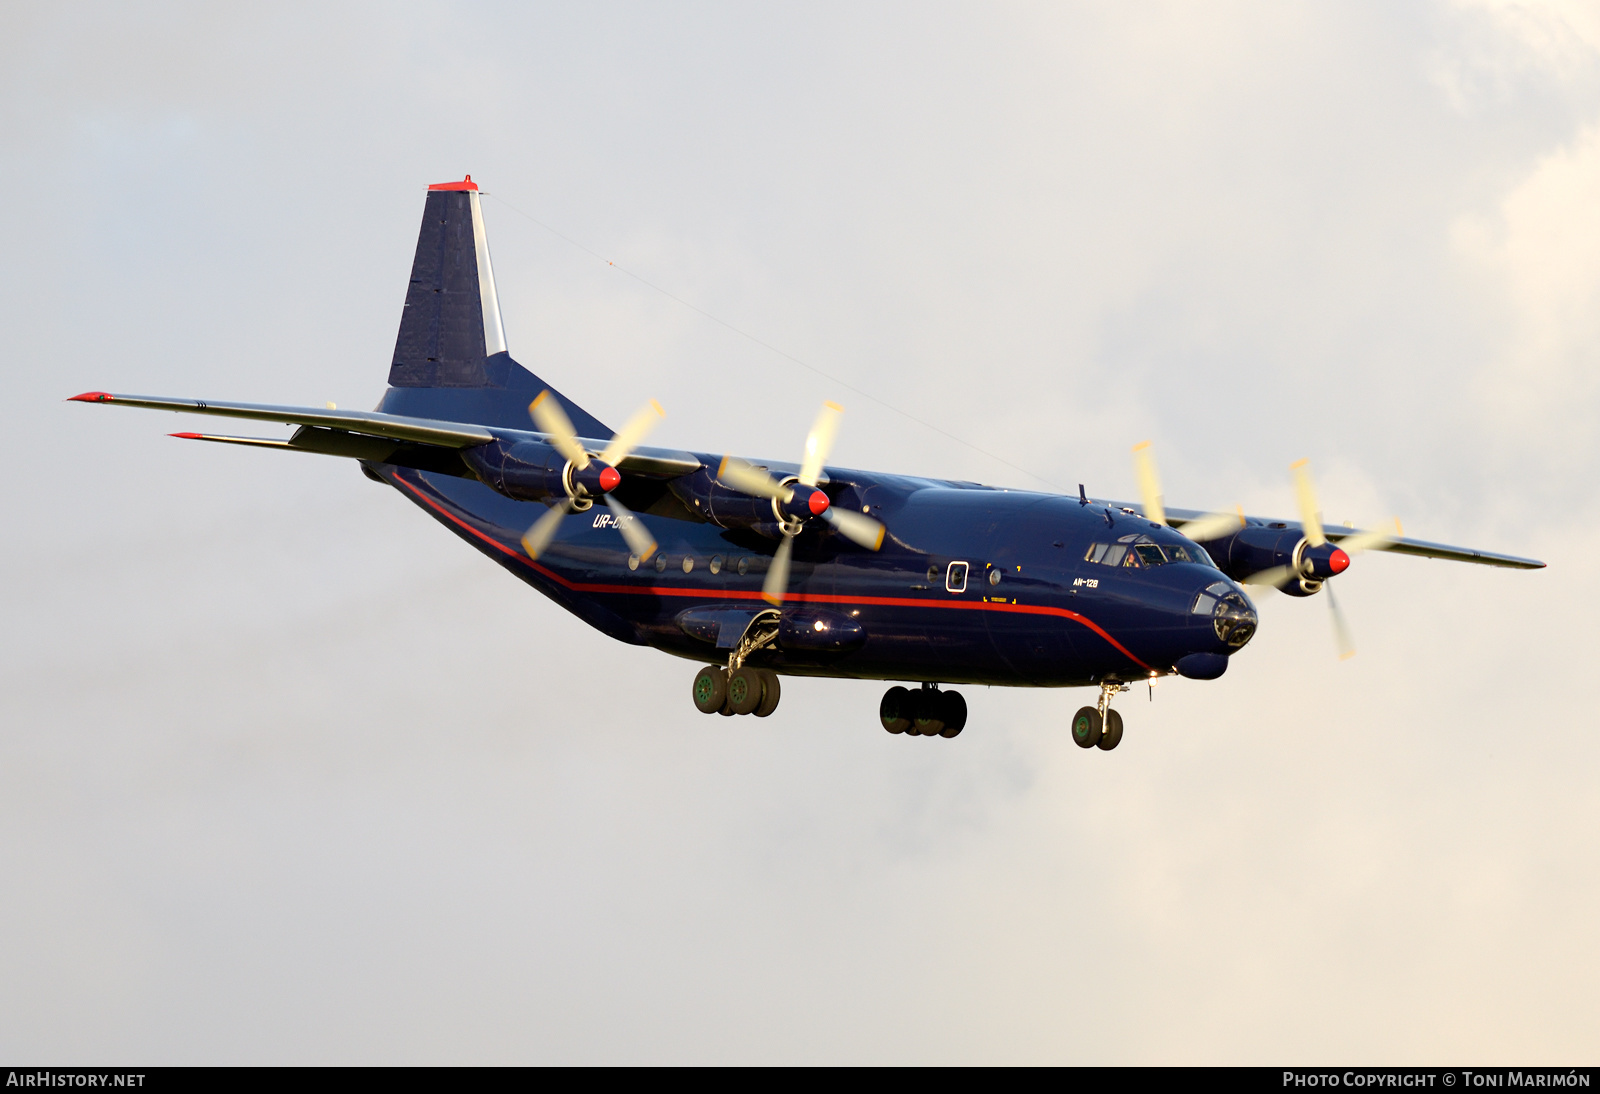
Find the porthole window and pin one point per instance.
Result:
(688, 563)
(994, 577)
(933, 573)
(744, 566)
(661, 564)
(716, 564)
(633, 562)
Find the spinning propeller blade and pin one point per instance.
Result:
(640, 541)
(538, 537)
(819, 442)
(1371, 541)
(1277, 577)
(550, 418)
(1341, 633)
(1144, 465)
(777, 582)
(748, 479)
(632, 435)
(860, 530)
(1214, 526)
(1310, 512)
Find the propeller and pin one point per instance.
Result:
(1216, 525)
(797, 500)
(1212, 526)
(1316, 536)
(586, 476)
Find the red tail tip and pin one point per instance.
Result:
(818, 503)
(189, 436)
(91, 397)
(464, 184)
(1338, 562)
(609, 479)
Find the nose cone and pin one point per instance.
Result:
(1338, 562)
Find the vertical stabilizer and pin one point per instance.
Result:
(450, 358)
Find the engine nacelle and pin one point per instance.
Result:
(729, 508)
(1253, 549)
(525, 470)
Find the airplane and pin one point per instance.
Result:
(764, 569)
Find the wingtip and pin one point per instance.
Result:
(92, 397)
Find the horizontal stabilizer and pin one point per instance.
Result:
(372, 423)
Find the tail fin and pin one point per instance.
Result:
(450, 359)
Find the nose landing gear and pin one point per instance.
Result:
(925, 712)
(1099, 726)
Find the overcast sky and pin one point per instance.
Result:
(288, 773)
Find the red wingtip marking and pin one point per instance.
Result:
(189, 436)
(91, 397)
(464, 184)
(609, 479)
(1338, 562)
(818, 503)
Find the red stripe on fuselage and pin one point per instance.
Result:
(735, 594)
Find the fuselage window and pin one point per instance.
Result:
(955, 578)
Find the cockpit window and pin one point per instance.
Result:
(1145, 552)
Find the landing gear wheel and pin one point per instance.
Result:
(927, 716)
(710, 689)
(770, 692)
(1086, 727)
(744, 691)
(893, 711)
(1111, 736)
(955, 713)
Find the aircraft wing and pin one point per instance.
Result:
(373, 435)
(1399, 544)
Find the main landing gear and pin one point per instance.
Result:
(740, 689)
(925, 712)
(1099, 726)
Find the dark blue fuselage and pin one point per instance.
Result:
(1031, 611)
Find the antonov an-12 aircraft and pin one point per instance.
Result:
(760, 569)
